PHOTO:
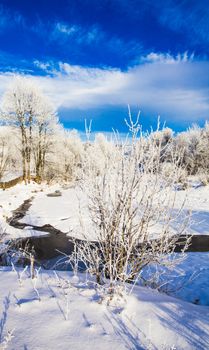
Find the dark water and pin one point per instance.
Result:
(54, 249)
(199, 243)
(56, 245)
(49, 246)
(51, 251)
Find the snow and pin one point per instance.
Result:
(64, 212)
(197, 200)
(8, 176)
(193, 274)
(188, 280)
(70, 316)
(11, 199)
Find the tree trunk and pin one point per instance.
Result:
(23, 152)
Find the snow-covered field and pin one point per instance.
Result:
(65, 313)
(69, 314)
(188, 281)
(64, 212)
(61, 212)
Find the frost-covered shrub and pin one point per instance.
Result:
(168, 170)
(203, 177)
(163, 139)
(194, 146)
(131, 211)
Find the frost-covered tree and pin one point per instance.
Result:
(9, 143)
(96, 153)
(4, 152)
(65, 159)
(45, 127)
(72, 155)
(25, 107)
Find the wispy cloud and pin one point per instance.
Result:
(188, 17)
(167, 58)
(65, 29)
(4, 18)
(62, 32)
(92, 36)
(10, 19)
(175, 91)
(80, 44)
(81, 35)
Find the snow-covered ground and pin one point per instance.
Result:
(64, 212)
(188, 280)
(197, 200)
(70, 316)
(61, 212)
(10, 200)
(191, 279)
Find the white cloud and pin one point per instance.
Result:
(65, 29)
(62, 31)
(167, 58)
(177, 90)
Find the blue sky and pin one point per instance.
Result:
(93, 57)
